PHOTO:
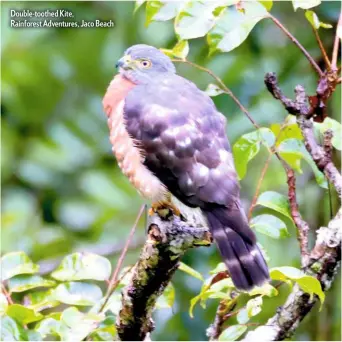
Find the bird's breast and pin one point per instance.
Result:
(129, 156)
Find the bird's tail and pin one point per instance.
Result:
(237, 244)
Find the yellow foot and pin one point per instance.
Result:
(163, 208)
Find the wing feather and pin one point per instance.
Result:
(184, 140)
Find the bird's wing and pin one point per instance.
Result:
(183, 139)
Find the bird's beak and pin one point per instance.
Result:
(125, 63)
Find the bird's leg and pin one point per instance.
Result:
(164, 208)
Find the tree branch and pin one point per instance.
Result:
(224, 311)
(324, 259)
(321, 46)
(257, 191)
(296, 42)
(302, 226)
(336, 44)
(302, 111)
(283, 324)
(168, 239)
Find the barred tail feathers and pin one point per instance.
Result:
(237, 244)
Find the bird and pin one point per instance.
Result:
(170, 140)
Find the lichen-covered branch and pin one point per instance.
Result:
(325, 260)
(325, 257)
(168, 239)
(302, 226)
(303, 112)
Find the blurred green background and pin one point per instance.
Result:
(61, 188)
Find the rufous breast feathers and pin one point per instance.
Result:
(130, 158)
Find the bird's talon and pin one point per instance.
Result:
(164, 209)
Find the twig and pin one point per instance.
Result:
(224, 311)
(300, 108)
(296, 42)
(302, 226)
(257, 191)
(113, 280)
(321, 46)
(327, 143)
(264, 170)
(224, 88)
(7, 295)
(336, 44)
(286, 320)
(167, 241)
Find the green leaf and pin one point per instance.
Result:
(313, 19)
(233, 26)
(267, 4)
(223, 285)
(212, 291)
(75, 325)
(3, 304)
(113, 304)
(275, 201)
(161, 10)
(196, 18)
(106, 330)
(11, 330)
(336, 127)
(167, 299)
(253, 307)
(312, 286)
(305, 4)
(78, 293)
(193, 302)
(26, 282)
(80, 266)
(269, 225)
(247, 147)
(213, 90)
(33, 335)
(48, 326)
(292, 151)
(265, 290)
(307, 283)
(23, 314)
(180, 50)
(187, 269)
(221, 267)
(15, 263)
(205, 287)
(41, 300)
(287, 132)
(138, 4)
(285, 272)
(232, 333)
(242, 316)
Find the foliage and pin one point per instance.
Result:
(62, 195)
(69, 322)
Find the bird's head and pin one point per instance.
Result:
(141, 63)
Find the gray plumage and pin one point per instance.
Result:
(185, 145)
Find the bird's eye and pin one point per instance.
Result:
(145, 64)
